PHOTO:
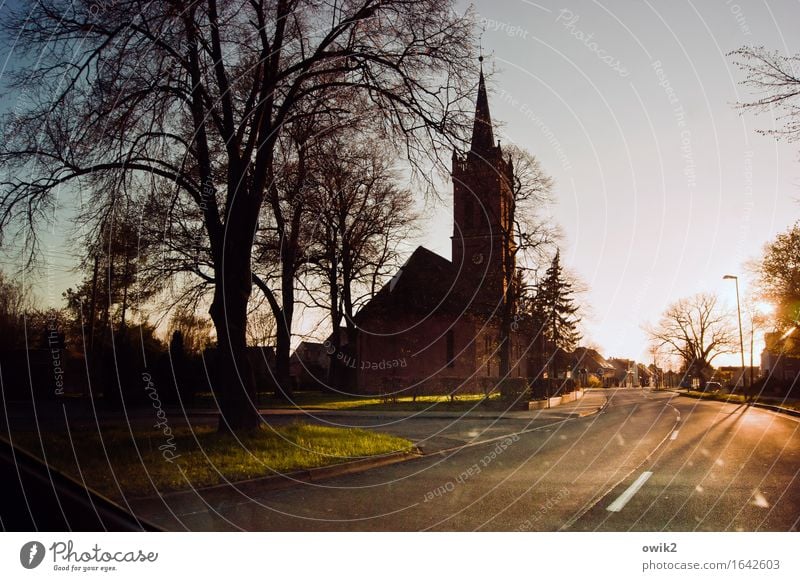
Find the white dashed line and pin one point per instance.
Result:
(674, 435)
(623, 498)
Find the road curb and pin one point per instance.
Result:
(289, 479)
(773, 408)
(477, 414)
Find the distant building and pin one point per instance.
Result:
(589, 363)
(731, 375)
(645, 375)
(308, 365)
(780, 358)
(626, 372)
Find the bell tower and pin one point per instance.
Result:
(483, 235)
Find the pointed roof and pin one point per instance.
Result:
(424, 284)
(482, 134)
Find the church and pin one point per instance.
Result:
(434, 328)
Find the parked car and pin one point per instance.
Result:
(713, 387)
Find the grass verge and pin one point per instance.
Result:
(119, 463)
(332, 401)
(739, 398)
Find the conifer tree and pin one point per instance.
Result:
(554, 307)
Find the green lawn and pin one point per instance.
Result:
(309, 400)
(200, 456)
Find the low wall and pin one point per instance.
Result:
(555, 401)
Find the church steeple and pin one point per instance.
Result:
(482, 202)
(482, 134)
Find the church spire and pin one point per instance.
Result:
(482, 135)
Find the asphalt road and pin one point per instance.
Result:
(650, 461)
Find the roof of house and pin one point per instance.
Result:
(308, 350)
(590, 357)
(425, 284)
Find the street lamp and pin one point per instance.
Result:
(739, 311)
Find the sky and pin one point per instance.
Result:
(663, 186)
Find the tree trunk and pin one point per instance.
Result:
(284, 329)
(505, 333)
(235, 381)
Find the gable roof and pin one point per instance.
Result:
(423, 285)
(591, 358)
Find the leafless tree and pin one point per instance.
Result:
(775, 79)
(14, 305)
(199, 95)
(535, 235)
(195, 330)
(361, 217)
(697, 330)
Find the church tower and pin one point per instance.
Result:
(483, 236)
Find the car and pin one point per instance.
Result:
(713, 386)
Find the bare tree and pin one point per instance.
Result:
(534, 236)
(775, 79)
(198, 95)
(14, 305)
(260, 325)
(697, 330)
(195, 330)
(361, 218)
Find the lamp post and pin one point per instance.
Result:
(739, 311)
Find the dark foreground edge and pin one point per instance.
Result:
(37, 497)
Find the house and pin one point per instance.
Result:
(308, 366)
(645, 375)
(626, 373)
(780, 362)
(435, 327)
(589, 363)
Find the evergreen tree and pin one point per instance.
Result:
(555, 309)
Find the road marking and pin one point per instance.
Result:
(759, 500)
(623, 498)
(674, 435)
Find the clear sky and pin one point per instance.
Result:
(662, 186)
